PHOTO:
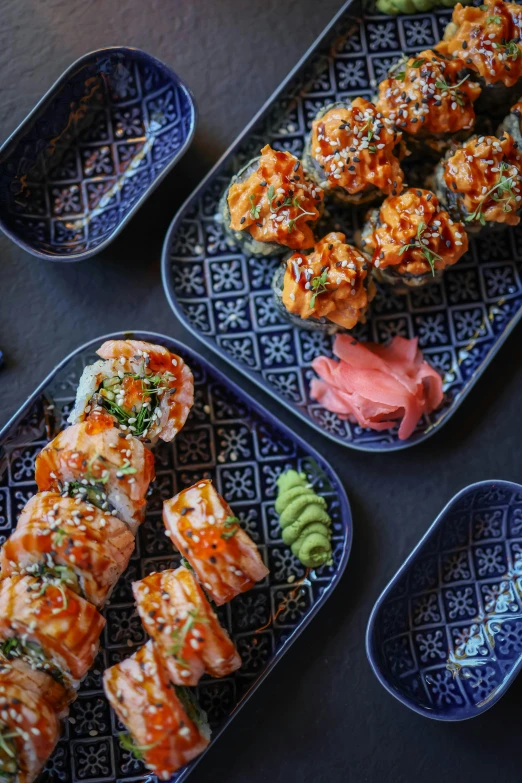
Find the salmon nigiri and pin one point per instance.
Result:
(166, 729)
(147, 390)
(29, 731)
(49, 627)
(18, 672)
(177, 615)
(202, 526)
(57, 536)
(94, 461)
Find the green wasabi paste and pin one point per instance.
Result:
(304, 520)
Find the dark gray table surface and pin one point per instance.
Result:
(321, 715)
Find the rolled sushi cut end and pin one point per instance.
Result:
(481, 182)
(411, 239)
(147, 390)
(167, 730)
(327, 290)
(352, 152)
(429, 100)
(487, 39)
(270, 205)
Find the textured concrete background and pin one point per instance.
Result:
(321, 715)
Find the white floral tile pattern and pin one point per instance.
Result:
(243, 451)
(447, 638)
(225, 297)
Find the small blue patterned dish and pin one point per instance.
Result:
(224, 296)
(233, 440)
(445, 636)
(91, 151)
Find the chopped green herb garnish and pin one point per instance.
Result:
(443, 86)
(511, 49)
(504, 185)
(400, 76)
(179, 635)
(318, 285)
(127, 743)
(418, 63)
(254, 210)
(420, 244)
(493, 20)
(270, 194)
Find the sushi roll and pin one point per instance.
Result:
(165, 727)
(327, 290)
(178, 617)
(270, 205)
(29, 731)
(96, 462)
(49, 627)
(202, 526)
(56, 537)
(18, 672)
(487, 40)
(352, 152)
(147, 390)
(429, 100)
(512, 124)
(480, 182)
(410, 239)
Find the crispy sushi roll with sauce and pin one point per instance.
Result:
(328, 290)
(147, 390)
(487, 40)
(411, 239)
(29, 731)
(429, 100)
(480, 182)
(178, 617)
(48, 626)
(167, 729)
(18, 672)
(56, 537)
(200, 523)
(352, 152)
(271, 205)
(94, 461)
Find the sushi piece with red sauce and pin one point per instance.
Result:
(76, 542)
(29, 731)
(48, 626)
(178, 617)
(18, 672)
(95, 461)
(147, 390)
(166, 730)
(202, 526)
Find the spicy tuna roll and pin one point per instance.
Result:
(270, 205)
(411, 239)
(328, 290)
(487, 40)
(429, 100)
(352, 152)
(481, 182)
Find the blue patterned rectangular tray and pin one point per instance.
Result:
(243, 448)
(225, 299)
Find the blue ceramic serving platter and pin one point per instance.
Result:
(243, 448)
(445, 636)
(224, 297)
(91, 151)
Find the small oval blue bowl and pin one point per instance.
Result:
(445, 636)
(91, 151)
